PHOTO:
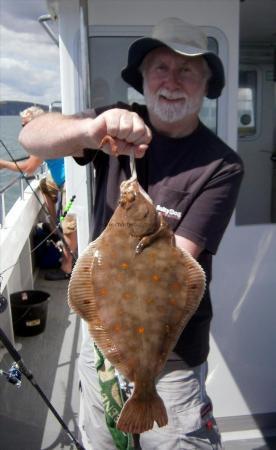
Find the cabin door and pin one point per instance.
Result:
(256, 144)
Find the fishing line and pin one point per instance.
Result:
(43, 207)
(18, 367)
(56, 227)
(132, 164)
(25, 178)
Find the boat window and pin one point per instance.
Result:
(108, 56)
(247, 104)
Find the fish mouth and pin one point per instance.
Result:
(129, 190)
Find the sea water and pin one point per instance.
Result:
(10, 127)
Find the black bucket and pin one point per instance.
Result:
(29, 312)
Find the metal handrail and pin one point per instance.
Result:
(2, 198)
(55, 104)
(10, 184)
(18, 179)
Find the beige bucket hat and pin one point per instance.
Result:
(182, 38)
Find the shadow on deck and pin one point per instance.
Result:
(26, 421)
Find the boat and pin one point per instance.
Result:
(93, 38)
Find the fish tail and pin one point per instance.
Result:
(141, 411)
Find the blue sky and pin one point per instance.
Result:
(29, 62)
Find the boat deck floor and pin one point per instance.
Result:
(26, 422)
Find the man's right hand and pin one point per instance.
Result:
(54, 135)
(129, 131)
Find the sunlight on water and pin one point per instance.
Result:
(10, 127)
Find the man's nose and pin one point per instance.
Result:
(173, 78)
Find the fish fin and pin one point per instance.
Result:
(81, 300)
(79, 289)
(110, 351)
(141, 411)
(196, 282)
(196, 285)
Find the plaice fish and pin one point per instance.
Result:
(137, 291)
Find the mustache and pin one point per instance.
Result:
(171, 95)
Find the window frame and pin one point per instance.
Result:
(256, 135)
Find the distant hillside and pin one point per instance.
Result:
(13, 108)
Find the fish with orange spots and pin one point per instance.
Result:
(137, 291)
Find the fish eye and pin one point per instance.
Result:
(127, 198)
(130, 196)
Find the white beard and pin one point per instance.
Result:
(171, 112)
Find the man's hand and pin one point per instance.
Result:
(53, 135)
(129, 131)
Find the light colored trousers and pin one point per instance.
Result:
(191, 425)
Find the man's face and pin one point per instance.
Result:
(174, 85)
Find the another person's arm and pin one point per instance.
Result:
(27, 166)
(54, 135)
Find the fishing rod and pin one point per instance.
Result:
(24, 176)
(23, 158)
(14, 376)
(55, 227)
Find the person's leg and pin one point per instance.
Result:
(51, 206)
(50, 191)
(69, 228)
(67, 258)
(69, 247)
(191, 423)
(92, 424)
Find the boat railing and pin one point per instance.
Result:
(20, 180)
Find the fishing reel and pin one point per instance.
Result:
(13, 375)
(58, 245)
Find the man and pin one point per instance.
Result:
(191, 176)
(52, 187)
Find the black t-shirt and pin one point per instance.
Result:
(194, 182)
